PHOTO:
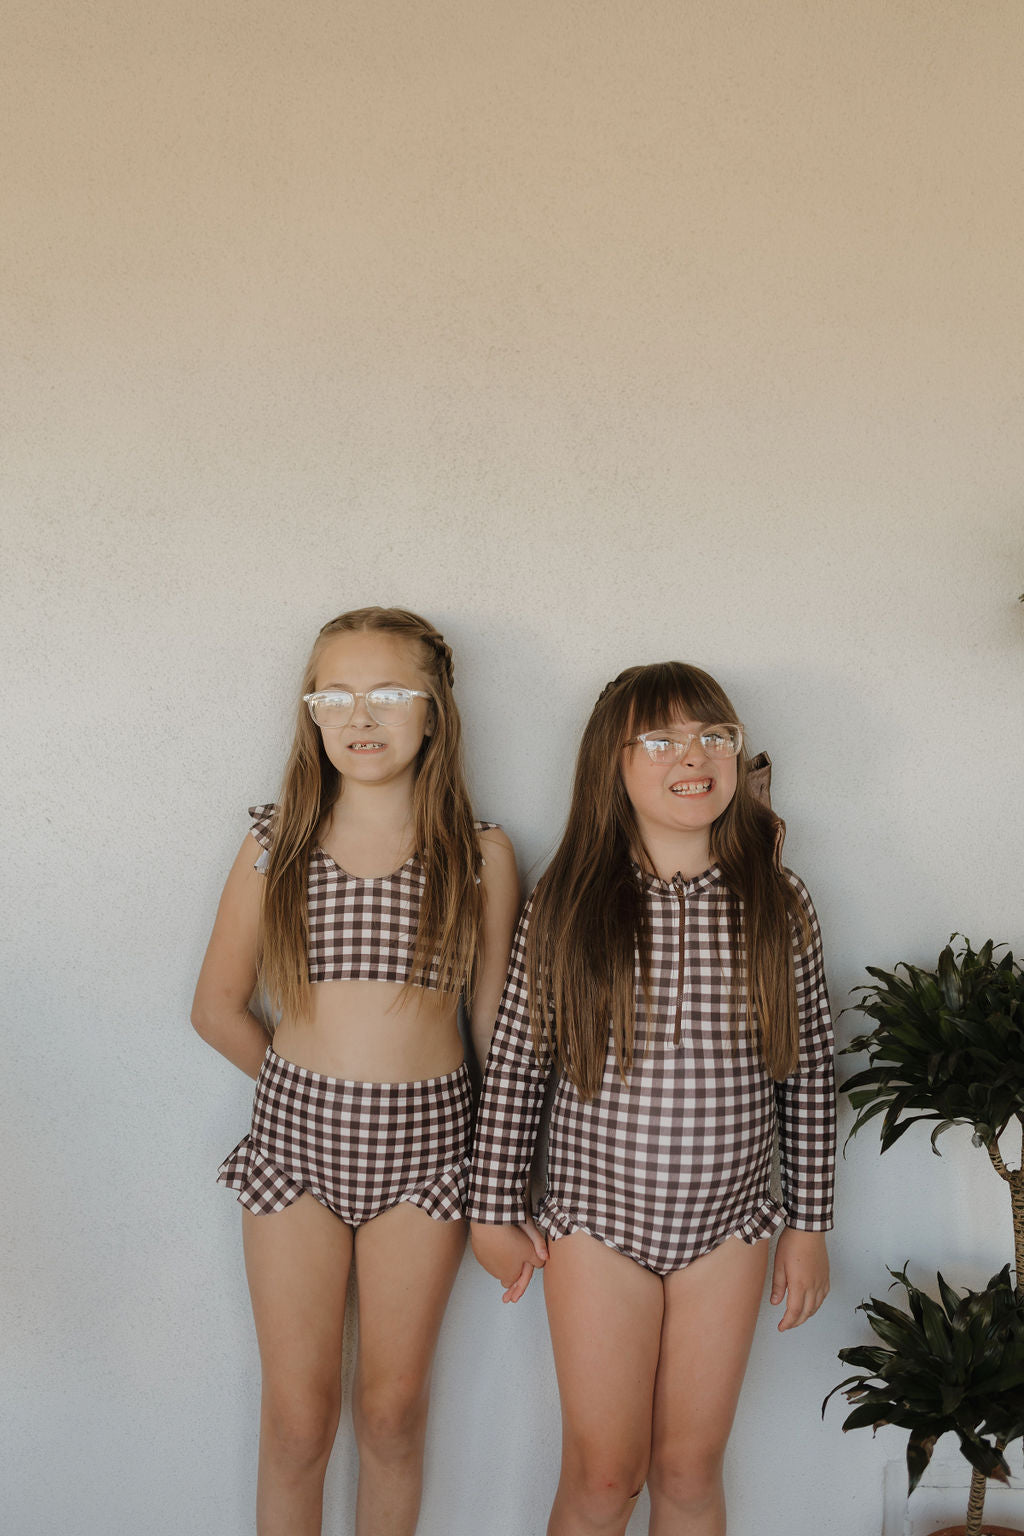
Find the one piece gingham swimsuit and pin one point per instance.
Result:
(357, 1147)
(667, 1165)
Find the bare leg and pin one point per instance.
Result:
(297, 1261)
(406, 1262)
(710, 1311)
(605, 1315)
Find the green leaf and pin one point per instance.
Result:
(862, 1119)
(943, 1125)
(985, 1457)
(936, 1327)
(840, 1388)
(919, 1454)
(864, 1417)
(950, 1298)
(949, 980)
(1009, 1379)
(891, 1137)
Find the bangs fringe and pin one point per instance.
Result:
(589, 921)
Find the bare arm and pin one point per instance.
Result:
(499, 885)
(220, 1008)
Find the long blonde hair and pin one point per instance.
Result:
(589, 918)
(446, 841)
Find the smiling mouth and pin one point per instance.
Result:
(366, 746)
(693, 787)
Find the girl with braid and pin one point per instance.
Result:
(364, 904)
(669, 970)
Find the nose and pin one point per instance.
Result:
(695, 753)
(361, 717)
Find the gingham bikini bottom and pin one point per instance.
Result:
(359, 1148)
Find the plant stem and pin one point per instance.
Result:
(976, 1503)
(1015, 1178)
(1017, 1202)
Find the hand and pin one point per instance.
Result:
(509, 1253)
(801, 1269)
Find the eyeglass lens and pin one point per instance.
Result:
(715, 741)
(387, 706)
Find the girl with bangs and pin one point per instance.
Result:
(669, 969)
(368, 903)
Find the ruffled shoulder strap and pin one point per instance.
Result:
(262, 823)
(484, 826)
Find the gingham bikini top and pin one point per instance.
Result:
(361, 928)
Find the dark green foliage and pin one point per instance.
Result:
(956, 1367)
(948, 1045)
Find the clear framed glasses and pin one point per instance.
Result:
(715, 741)
(387, 706)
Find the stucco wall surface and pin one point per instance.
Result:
(600, 334)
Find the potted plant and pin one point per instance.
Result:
(948, 1046)
(956, 1367)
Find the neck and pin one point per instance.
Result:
(375, 807)
(678, 853)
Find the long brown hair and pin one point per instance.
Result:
(589, 918)
(446, 841)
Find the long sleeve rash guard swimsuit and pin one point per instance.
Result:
(667, 1165)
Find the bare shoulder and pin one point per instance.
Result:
(495, 841)
(499, 874)
(250, 863)
(238, 911)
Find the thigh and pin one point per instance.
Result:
(406, 1263)
(297, 1263)
(605, 1316)
(711, 1310)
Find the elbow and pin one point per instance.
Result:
(203, 1021)
(197, 1018)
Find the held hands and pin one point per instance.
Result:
(801, 1270)
(509, 1253)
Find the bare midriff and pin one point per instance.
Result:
(375, 1032)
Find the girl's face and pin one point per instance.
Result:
(686, 797)
(362, 750)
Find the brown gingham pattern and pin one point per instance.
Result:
(668, 1165)
(360, 928)
(359, 1148)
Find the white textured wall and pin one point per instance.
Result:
(600, 333)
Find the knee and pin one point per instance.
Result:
(298, 1427)
(687, 1477)
(603, 1483)
(390, 1418)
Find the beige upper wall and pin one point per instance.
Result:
(599, 333)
